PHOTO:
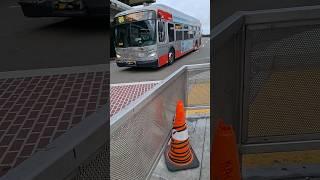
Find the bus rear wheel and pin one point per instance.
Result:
(171, 57)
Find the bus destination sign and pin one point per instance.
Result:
(139, 16)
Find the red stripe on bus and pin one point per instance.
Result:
(164, 15)
(163, 60)
(178, 53)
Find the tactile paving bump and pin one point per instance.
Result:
(36, 110)
(123, 95)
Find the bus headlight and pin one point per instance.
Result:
(118, 56)
(153, 54)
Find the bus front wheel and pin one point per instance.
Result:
(171, 57)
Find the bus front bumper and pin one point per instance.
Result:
(147, 63)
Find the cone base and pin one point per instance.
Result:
(174, 167)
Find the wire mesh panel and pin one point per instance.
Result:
(226, 64)
(283, 80)
(138, 138)
(198, 87)
(96, 167)
(266, 83)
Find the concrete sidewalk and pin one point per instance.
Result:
(282, 165)
(199, 132)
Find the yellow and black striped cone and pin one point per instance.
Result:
(179, 154)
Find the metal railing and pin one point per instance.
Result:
(265, 78)
(137, 135)
(63, 157)
(198, 90)
(139, 132)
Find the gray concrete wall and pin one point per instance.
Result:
(221, 9)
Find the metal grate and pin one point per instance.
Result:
(266, 83)
(284, 80)
(96, 168)
(137, 138)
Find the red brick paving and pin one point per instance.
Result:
(36, 110)
(122, 95)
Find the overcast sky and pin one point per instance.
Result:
(199, 9)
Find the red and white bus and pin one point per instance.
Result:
(154, 35)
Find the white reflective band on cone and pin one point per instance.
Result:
(180, 136)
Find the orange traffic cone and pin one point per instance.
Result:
(179, 154)
(225, 160)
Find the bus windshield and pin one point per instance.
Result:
(135, 34)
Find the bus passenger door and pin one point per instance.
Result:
(162, 43)
(171, 36)
(171, 33)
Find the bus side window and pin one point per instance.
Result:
(161, 31)
(191, 35)
(171, 32)
(185, 34)
(179, 35)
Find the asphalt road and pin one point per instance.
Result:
(33, 43)
(127, 75)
